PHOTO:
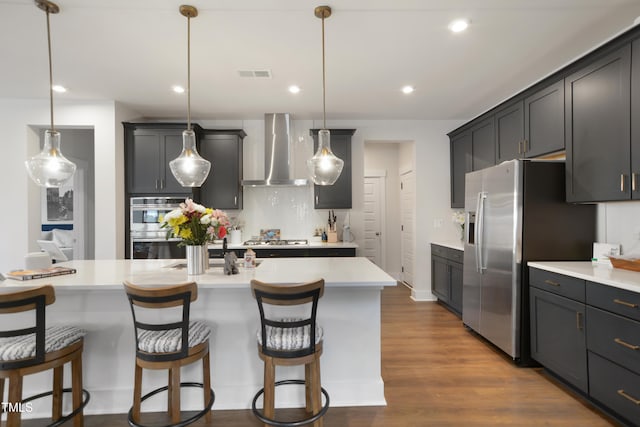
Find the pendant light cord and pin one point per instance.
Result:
(324, 103)
(188, 72)
(50, 71)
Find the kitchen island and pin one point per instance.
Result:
(94, 299)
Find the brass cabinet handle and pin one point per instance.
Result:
(578, 320)
(519, 147)
(633, 181)
(626, 396)
(551, 282)
(626, 344)
(316, 200)
(628, 304)
(235, 200)
(524, 146)
(622, 182)
(157, 183)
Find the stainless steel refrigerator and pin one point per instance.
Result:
(516, 212)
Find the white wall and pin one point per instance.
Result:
(20, 213)
(619, 222)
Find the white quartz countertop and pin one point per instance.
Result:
(459, 245)
(599, 273)
(109, 274)
(310, 245)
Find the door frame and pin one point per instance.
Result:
(382, 175)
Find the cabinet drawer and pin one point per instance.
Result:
(614, 337)
(615, 387)
(441, 251)
(456, 255)
(448, 253)
(620, 301)
(559, 284)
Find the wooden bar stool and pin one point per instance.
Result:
(169, 345)
(287, 341)
(35, 349)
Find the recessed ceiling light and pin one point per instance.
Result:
(294, 89)
(407, 89)
(178, 89)
(459, 25)
(59, 88)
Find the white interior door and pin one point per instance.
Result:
(374, 219)
(407, 228)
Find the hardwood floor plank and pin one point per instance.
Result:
(436, 373)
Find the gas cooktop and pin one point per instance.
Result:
(276, 242)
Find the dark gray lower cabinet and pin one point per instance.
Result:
(446, 276)
(558, 336)
(588, 334)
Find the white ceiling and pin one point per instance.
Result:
(133, 51)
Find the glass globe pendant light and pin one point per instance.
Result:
(324, 167)
(50, 168)
(189, 168)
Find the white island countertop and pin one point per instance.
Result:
(599, 273)
(109, 274)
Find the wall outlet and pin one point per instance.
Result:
(437, 223)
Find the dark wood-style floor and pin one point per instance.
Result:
(436, 373)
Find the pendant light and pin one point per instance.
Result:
(324, 167)
(50, 168)
(189, 168)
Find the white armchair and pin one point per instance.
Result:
(65, 240)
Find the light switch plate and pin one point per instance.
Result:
(602, 252)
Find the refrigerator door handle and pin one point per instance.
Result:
(480, 231)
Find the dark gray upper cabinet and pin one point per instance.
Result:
(222, 188)
(509, 124)
(598, 128)
(635, 121)
(483, 144)
(150, 147)
(544, 121)
(338, 195)
(461, 163)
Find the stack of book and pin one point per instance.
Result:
(39, 273)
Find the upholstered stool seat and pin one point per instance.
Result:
(288, 341)
(35, 349)
(169, 345)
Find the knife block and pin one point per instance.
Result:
(332, 236)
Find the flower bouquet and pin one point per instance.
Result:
(458, 217)
(195, 226)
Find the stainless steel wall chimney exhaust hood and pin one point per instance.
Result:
(277, 154)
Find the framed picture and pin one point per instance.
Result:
(58, 206)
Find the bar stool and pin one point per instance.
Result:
(287, 341)
(38, 348)
(169, 345)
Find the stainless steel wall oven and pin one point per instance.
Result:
(147, 239)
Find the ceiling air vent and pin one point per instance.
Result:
(259, 74)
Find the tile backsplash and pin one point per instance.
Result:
(288, 208)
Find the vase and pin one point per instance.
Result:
(195, 259)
